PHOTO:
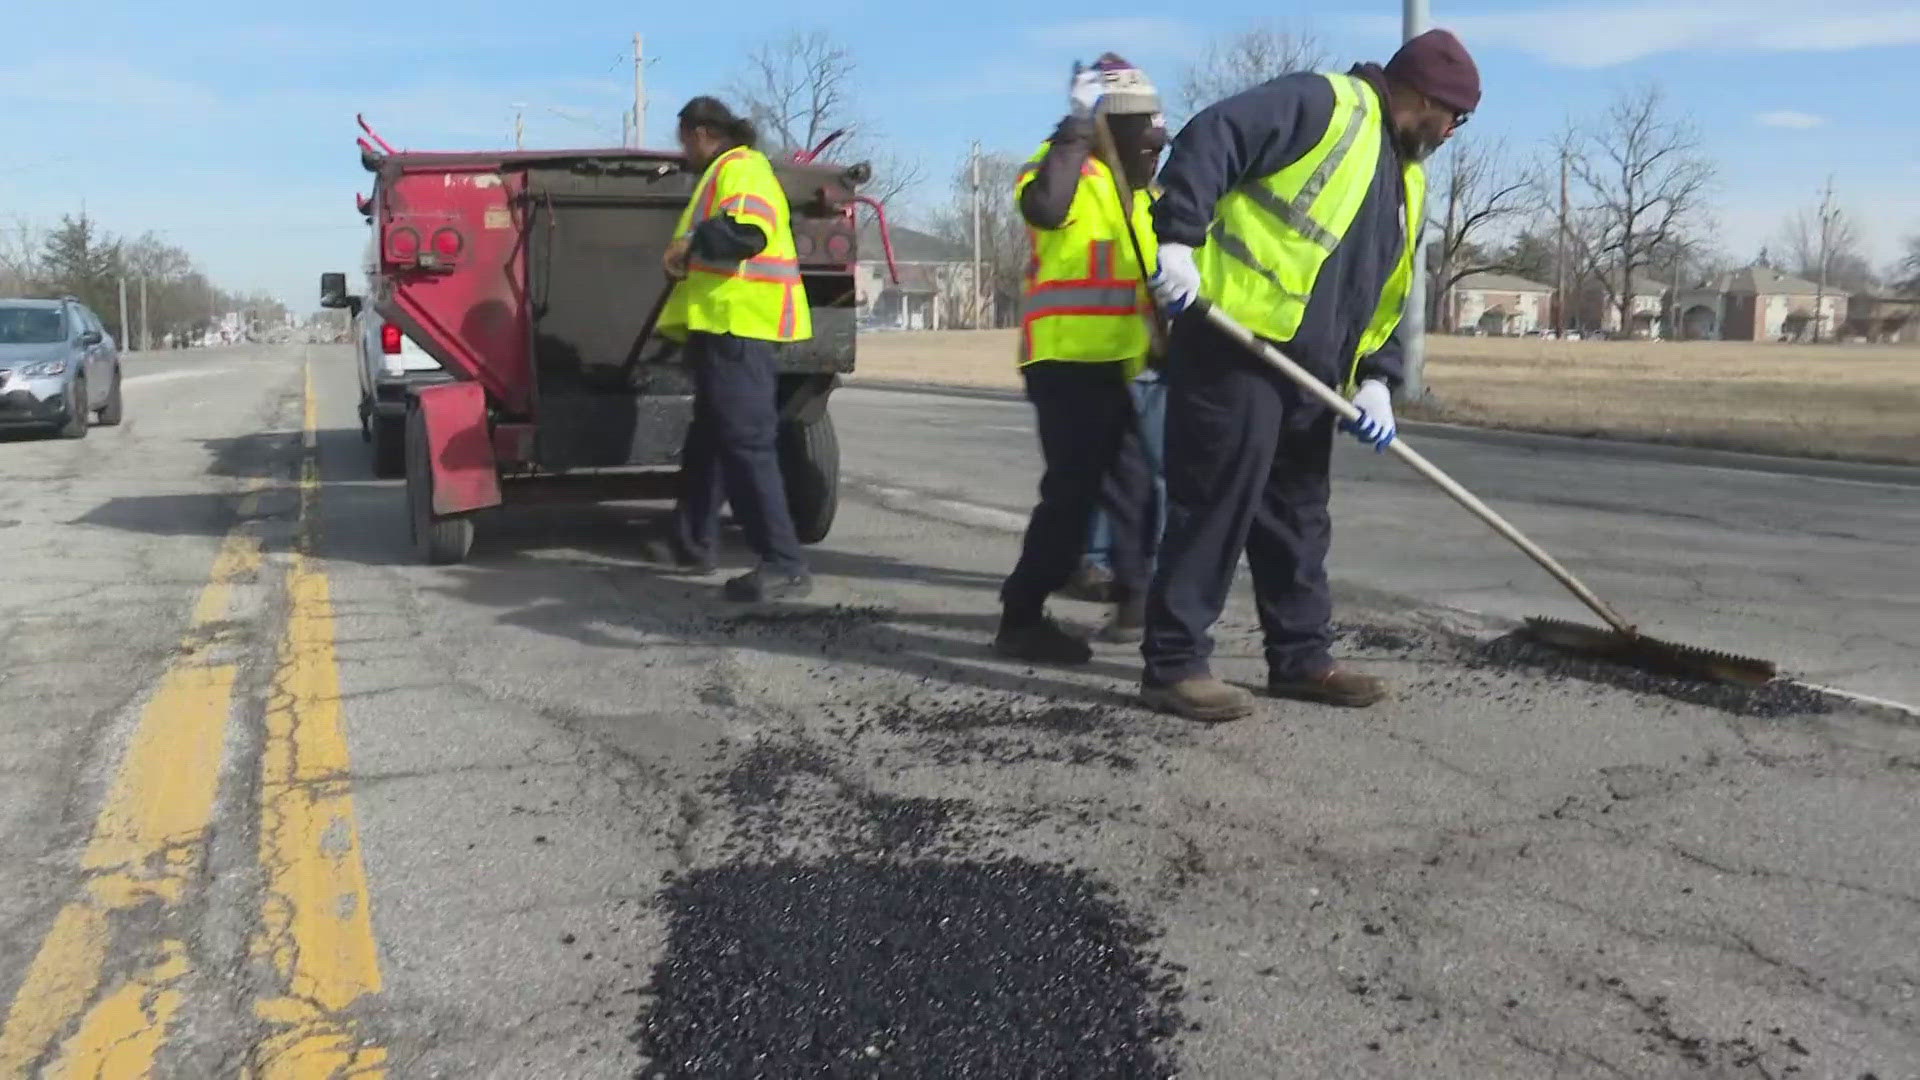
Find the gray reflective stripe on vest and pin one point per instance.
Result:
(1235, 247)
(756, 267)
(1088, 296)
(1297, 213)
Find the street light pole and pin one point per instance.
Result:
(1413, 320)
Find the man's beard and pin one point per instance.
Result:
(1416, 147)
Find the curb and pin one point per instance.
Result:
(1538, 442)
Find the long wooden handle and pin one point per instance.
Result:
(1346, 409)
(1110, 153)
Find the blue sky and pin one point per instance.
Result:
(228, 127)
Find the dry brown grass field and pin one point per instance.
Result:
(1856, 402)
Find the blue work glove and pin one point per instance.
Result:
(1375, 426)
(1177, 281)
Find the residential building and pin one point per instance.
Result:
(1499, 305)
(1597, 308)
(1883, 319)
(934, 290)
(1759, 303)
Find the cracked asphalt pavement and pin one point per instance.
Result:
(556, 813)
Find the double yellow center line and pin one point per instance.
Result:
(97, 1000)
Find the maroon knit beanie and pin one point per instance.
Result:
(1437, 65)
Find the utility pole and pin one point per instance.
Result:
(639, 95)
(1827, 216)
(1560, 260)
(126, 332)
(1413, 320)
(146, 328)
(979, 304)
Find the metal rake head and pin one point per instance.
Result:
(1653, 654)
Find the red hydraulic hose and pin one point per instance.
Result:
(886, 236)
(368, 128)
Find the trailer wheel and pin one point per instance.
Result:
(436, 540)
(810, 462)
(389, 438)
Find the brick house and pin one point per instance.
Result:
(935, 290)
(1499, 305)
(1596, 309)
(1883, 319)
(1759, 303)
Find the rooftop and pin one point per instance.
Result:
(1492, 282)
(909, 245)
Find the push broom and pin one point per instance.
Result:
(1620, 642)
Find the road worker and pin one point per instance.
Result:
(1085, 332)
(738, 292)
(1294, 208)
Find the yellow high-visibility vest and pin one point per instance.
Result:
(1085, 296)
(761, 297)
(1270, 237)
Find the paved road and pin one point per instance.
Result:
(276, 799)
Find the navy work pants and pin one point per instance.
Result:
(1090, 442)
(731, 453)
(1247, 460)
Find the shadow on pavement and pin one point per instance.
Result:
(520, 550)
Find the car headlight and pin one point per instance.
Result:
(42, 370)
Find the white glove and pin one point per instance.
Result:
(1375, 426)
(1177, 281)
(1088, 86)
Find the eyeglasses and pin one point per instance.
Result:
(1460, 118)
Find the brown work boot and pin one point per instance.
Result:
(1334, 686)
(1203, 698)
(1040, 642)
(1128, 624)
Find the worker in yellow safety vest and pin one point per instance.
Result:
(1295, 208)
(738, 292)
(1085, 333)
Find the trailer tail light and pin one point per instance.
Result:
(447, 243)
(389, 339)
(403, 244)
(840, 245)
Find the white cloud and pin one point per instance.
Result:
(1790, 119)
(1593, 34)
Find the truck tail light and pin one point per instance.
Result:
(389, 339)
(403, 244)
(448, 242)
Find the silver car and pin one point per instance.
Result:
(58, 367)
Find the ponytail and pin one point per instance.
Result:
(711, 113)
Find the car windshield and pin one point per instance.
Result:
(31, 326)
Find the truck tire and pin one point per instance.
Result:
(78, 415)
(437, 541)
(389, 446)
(110, 414)
(810, 462)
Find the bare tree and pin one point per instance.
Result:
(1906, 272)
(1003, 232)
(20, 246)
(1479, 192)
(1642, 182)
(799, 89)
(1241, 61)
(1825, 242)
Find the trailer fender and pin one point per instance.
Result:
(459, 447)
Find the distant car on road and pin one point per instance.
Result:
(58, 367)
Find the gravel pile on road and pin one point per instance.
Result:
(858, 967)
(1368, 638)
(1776, 699)
(996, 729)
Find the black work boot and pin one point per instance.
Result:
(761, 583)
(1039, 640)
